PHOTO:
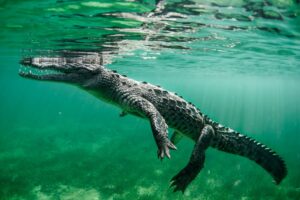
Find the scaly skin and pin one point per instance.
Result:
(163, 109)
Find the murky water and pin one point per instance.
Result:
(238, 61)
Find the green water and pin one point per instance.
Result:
(238, 61)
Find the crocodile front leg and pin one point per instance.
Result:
(143, 107)
(196, 162)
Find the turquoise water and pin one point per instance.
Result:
(238, 61)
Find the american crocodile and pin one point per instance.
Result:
(162, 108)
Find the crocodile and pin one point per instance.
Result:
(162, 108)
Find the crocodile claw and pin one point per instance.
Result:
(164, 150)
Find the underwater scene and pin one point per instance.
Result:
(238, 61)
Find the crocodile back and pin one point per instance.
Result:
(178, 113)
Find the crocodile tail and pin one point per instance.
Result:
(233, 142)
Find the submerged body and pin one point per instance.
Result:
(163, 109)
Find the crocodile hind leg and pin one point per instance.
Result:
(196, 162)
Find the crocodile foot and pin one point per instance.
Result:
(164, 149)
(184, 178)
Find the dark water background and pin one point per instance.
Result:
(238, 61)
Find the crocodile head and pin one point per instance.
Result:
(70, 70)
